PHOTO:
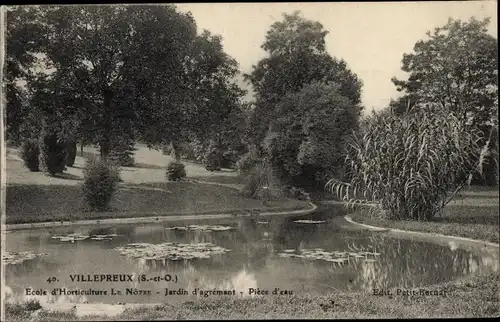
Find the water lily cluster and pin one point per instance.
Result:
(19, 257)
(339, 257)
(309, 221)
(171, 251)
(205, 228)
(77, 237)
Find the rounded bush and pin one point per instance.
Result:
(175, 171)
(52, 154)
(100, 182)
(212, 162)
(30, 153)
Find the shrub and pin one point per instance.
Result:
(100, 181)
(122, 151)
(212, 162)
(175, 171)
(410, 165)
(260, 183)
(248, 161)
(52, 154)
(30, 153)
(70, 152)
(296, 193)
(122, 158)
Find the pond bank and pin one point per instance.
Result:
(26, 204)
(424, 235)
(158, 217)
(475, 216)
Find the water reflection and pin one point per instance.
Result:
(252, 263)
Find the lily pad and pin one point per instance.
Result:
(19, 257)
(105, 236)
(71, 237)
(319, 254)
(171, 251)
(205, 228)
(309, 221)
(182, 228)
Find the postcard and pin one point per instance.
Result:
(307, 160)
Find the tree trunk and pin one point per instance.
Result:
(104, 148)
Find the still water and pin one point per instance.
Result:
(255, 260)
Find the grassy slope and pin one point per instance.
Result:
(29, 203)
(475, 296)
(36, 197)
(474, 215)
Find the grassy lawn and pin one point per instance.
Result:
(36, 197)
(475, 215)
(38, 203)
(473, 296)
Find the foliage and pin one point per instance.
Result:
(122, 151)
(176, 171)
(70, 152)
(410, 165)
(296, 56)
(260, 183)
(123, 158)
(304, 144)
(296, 193)
(120, 71)
(30, 153)
(402, 104)
(213, 157)
(100, 182)
(248, 161)
(222, 147)
(52, 153)
(208, 96)
(456, 69)
(23, 39)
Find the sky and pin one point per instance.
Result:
(371, 37)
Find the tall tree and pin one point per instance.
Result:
(110, 57)
(456, 68)
(205, 97)
(23, 40)
(305, 143)
(296, 56)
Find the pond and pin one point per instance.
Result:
(160, 262)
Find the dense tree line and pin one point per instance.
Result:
(117, 74)
(126, 73)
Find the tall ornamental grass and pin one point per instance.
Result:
(410, 165)
(260, 183)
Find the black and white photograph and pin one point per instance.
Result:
(272, 160)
